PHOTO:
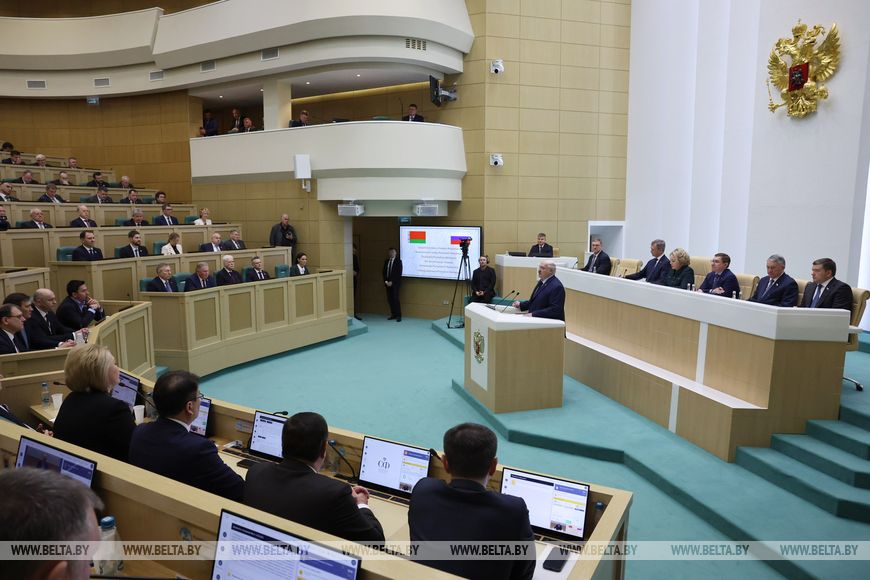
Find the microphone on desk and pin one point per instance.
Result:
(285, 413)
(434, 454)
(515, 293)
(331, 443)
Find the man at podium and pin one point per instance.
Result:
(548, 297)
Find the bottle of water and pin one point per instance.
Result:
(46, 396)
(107, 559)
(734, 294)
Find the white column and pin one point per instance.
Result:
(276, 104)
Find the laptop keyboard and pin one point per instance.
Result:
(388, 497)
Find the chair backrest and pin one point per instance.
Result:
(143, 284)
(20, 223)
(146, 199)
(748, 284)
(802, 284)
(282, 271)
(180, 278)
(120, 221)
(701, 266)
(157, 247)
(64, 253)
(614, 265)
(245, 271)
(556, 251)
(628, 266)
(859, 303)
(189, 219)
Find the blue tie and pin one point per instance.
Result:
(817, 296)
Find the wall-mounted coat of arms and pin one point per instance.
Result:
(798, 65)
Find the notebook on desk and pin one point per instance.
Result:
(265, 440)
(391, 470)
(32, 453)
(557, 507)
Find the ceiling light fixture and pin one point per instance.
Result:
(220, 96)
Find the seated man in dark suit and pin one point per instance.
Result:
(25, 304)
(234, 243)
(134, 249)
(200, 279)
(101, 196)
(213, 246)
(825, 291)
(97, 180)
(62, 179)
(36, 221)
(256, 272)
(167, 447)
(412, 114)
(720, 281)
(138, 220)
(466, 511)
(14, 158)
(51, 195)
(302, 121)
(483, 282)
(657, 270)
(11, 325)
(165, 218)
(4, 220)
(6, 192)
(548, 297)
(84, 219)
(87, 252)
(227, 275)
(777, 288)
(163, 281)
(79, 308)
(26, 178)
(44, 330)
(294, 489)
(300, 268)
(132, 197)
(599, 261)
(542, 249)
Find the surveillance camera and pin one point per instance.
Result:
(496, 67)
(496, 160)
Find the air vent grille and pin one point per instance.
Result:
(207, 66)
(156, 75)
(103, 82)
(269, 54)
(415, 43)
(36, 85)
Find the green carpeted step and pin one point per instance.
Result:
(160, 370)
(841, 435)
(355, 327)
(456, 336)
(864, 342)
(854, 416)
(826, 458)
(829, 494)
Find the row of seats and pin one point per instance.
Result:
(281, 271)
(46, 174)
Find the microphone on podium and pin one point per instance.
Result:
(501, 300)
(515, 293)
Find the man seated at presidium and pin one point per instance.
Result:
(548, 297)
(720, 281)
(542, 249)
(599, 261)
(777, 288)
(483, 282)
(466, 511)
(657, 269)
(294, 489)
(413, 115)
(168, 448)
(825, 291)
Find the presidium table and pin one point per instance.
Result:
(513, 362)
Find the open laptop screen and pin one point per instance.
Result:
(200, 424)
(286, 555)
(126, 389)
(392, 467)
(32, 453)
(266, 436)
(556, 506)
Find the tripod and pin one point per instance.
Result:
(463, 277)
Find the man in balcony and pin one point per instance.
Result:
(412, 114)
(302, 121)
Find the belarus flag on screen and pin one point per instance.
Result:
(454, 240)
(417, 237)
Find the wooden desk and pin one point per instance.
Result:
(24, 280)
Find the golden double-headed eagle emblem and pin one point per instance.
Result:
(811, 61)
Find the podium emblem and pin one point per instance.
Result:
(479, 345)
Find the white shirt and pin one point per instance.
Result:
(182, 423)
(200, 222)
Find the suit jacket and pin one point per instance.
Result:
(837, 294)
(128, 202)
(156, 285)
(127, 251)
(44, 337)
(297, 123)
(81, 254)
(727, 280)
(96, 199)
(224, 278)
(167, 448)
(168, 250)
(292, 490)
(131, 223)
(32, 225)
(193, 283)
(396, 273)
(210, 126)
(11, 198)
(483, 280)
(654, 273)
(416, 118)
(251, 276)
(547, 301)
(7, 346)
(44, 198)
(59, 182)
(546, 252)
(602, 264)
(228, 246)
(81, 223)
(681, 278)
(278, 237)
(784, 293)
(464, 510)
(95, 183)
(96, 421)
(161, 220)
(295, 271)
(70, 314)
(209, 247)
(21, 180)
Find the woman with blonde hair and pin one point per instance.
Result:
(173, 246)
(202, 220)
(90, 416)
(681, 276)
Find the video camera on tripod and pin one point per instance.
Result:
(463, 245)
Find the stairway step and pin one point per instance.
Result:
(841, 435)
(826, 458)
(829, 494)
(855, 417)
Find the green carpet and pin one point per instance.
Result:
(395, 381)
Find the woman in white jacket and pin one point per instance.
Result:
(173, 247)
(202, 220)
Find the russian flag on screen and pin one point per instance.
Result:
(454, 240)
(417, 237)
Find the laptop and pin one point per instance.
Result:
(391, 470)
(200, 424)
(32, 453)
(557, 507)
(126, 389)
(285, 555)
(517, 254)
(265, 439)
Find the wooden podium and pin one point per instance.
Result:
(513, 362)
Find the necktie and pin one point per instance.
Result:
(766, 290)
(594, 260)
(260, 274)
(538, 286)
(235, 244)
(389, 269)
(716, 281)
(24, 339)
(168, 288)
(42, 227)
(816, 296)
(48, 322)
(135, 251)
(91, 251)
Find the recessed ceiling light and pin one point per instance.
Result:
(307, 82)
(261, 90)
(358, 75)
(220, 96)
